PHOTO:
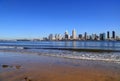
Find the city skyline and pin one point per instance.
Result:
(108, 35)
(74, 35)
(39, 18)
(66, 36)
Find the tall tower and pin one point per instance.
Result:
(85, 36)
(108, 35)
(113, 34)
(74, 34)
(102, 36)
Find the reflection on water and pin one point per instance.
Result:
(74, 44)
(66, 44)
(114, 45)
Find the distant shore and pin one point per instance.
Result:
(22, 40)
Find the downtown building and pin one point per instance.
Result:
(85, 36)
(66, 35)
(74, 37)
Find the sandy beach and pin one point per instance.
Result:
(33, 67)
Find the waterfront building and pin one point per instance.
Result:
(93, 36)
(71, 37)
(113, 34)
(74, 34)
(56, 37)
(85, 36)
(97, 37)
(117, 38)
(89, 37)
(102, 36)
(51, 37)
(59, 37)
(44, 38)
(108, 35)
(66, 37)
(80, 36)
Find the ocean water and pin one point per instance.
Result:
(103, 56)
(114, 45)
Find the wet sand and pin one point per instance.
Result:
(34, 67)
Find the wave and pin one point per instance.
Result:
(101, 56)
(111, 57)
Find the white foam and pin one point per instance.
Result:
(110, 57)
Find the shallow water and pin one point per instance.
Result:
(37, 67)
(114, 45)
(104, 56)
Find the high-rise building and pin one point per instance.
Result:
(102, 36)
(59, 37)
(51, 37)
(80, 36)
(66, 35)
(93, 36)
(85, 36)
(108, 35)
(56, 37)
(89, 37)
(113, 34)
(74, 34)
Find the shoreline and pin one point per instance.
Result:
(25, 67)
(59, 48)
(82, 49)
(60, 54)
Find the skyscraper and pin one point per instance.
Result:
(113, 34)
(108, 35)
(102, 36)
(74, 34)
(80, 36)
(85, 36)
(66, 35)
(59, 37)
(93, 36)
(51, 37)
(56, 37)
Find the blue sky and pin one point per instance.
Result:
(39, 18)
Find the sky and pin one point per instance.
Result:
(39, 18)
